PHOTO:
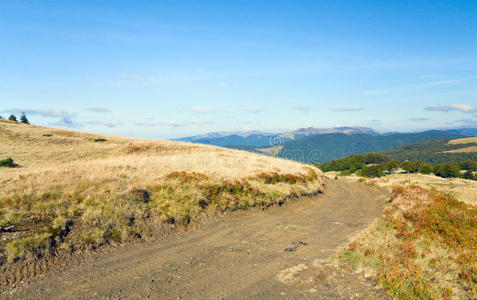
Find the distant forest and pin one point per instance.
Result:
(430, 152)
(377, 165)
(327, 147)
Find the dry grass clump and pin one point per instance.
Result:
(424, 246)
(71, 192)
(274, 177)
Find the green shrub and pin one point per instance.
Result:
(469, 165)
(8, 162)
(100, 140)
(450, 170)
(47, 134)
(371, 171)
(469, 175)
(13, 118)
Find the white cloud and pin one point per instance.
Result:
(130, 77)
(173, 124)
(66, 122)
(109, 124)
(437, 83)
(252, 109)
(65, 118)
(346, 109)
(204, 109)
(52, 113)
(456, 107)
(98, 109)
(418, 119)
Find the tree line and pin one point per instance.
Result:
(23, 118)
(377, 165)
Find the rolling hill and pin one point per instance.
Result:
(436, 152)
(326, 147)
(73, 190)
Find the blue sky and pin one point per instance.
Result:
(165, 69)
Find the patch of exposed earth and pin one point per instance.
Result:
(272, 254)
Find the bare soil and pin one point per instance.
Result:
(272, 254)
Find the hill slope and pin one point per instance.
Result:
(72, 192)
(325, 147)
(436, 152)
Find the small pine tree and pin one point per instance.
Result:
(13, 118)
(1, 118)
(24, 119)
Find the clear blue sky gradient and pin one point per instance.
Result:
(166, 69)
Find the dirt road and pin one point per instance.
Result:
(241, 257)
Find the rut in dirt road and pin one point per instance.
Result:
(238, 258)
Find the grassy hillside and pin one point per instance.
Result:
(326, 147)
(423, 247)
(436, 152)
(79, 190)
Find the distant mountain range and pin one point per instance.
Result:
(323, 144)
(264, 139)
(470, 131)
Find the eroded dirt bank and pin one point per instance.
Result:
(240, 257)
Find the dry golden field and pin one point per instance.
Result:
(468, 149)
(462, 189)
(468, 140)
(71, 191)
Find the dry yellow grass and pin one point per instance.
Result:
(65, 177)
(462, 189)
(76, 151)
(422, 248)
(469, 149)
(463, 141)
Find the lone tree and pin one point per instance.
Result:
(13, 118)
(24, 119)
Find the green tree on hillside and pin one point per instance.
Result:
(469, 175)
(409, 166)
(371, 171)
(24, 119)
(13, 118)
(469, 165)
(424, 168)
(447, 170)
